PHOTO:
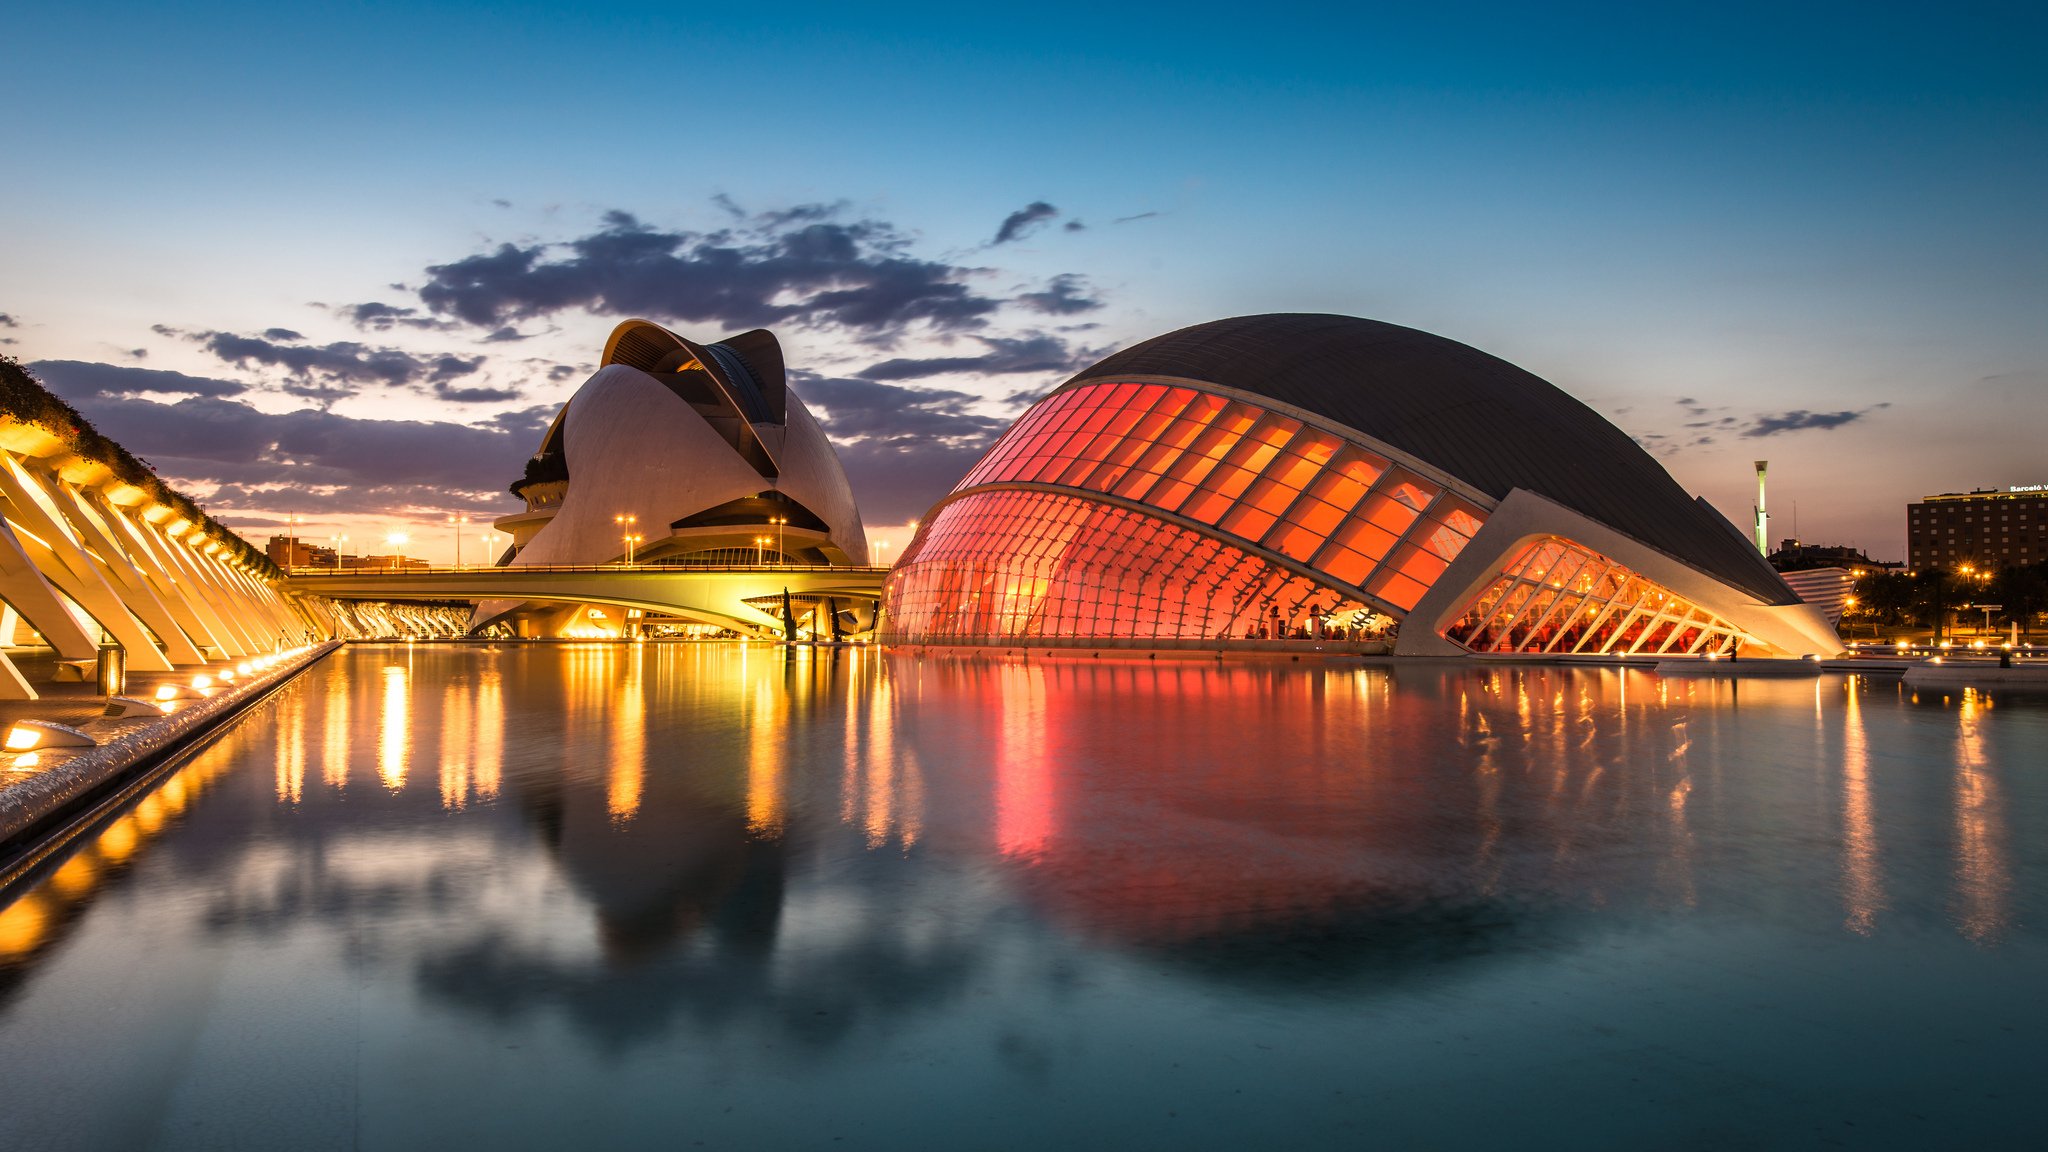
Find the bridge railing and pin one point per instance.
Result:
(473, 569)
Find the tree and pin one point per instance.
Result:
(1884, 597)
(2023, 591)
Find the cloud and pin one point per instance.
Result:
(328, 372)
(802, 265)
(1064, 295)
(376, 316)
(1075, 226)
(240, 457)
(1139, 216)
(8, 321)
(1035, 352)
(1024, 221)
(1799, 420)
(903, 448)
(79, 381)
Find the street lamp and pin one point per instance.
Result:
(779, 521)
(760, 542)
(882, 552)
(490, 547)
(291, 555)
(625, 523)
(397, 542)
(338, 542)
(459, 519)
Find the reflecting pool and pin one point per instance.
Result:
(720, 896)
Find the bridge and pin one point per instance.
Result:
(746, 599)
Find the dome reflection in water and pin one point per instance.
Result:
(571, 895)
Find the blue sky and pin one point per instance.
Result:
(1697, 220)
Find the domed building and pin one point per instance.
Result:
(677, 453)
(1317, 476)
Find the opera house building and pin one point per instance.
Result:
(684, 454)
(1328, 477)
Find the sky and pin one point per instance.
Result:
(342, 264)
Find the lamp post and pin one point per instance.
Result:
(338, 542)
(882, 552)
(490, 547)
(397, 542)
(459, 519)
(625, 523)
(760, 543)
(291, 555)
(779, 521)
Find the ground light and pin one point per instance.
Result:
(26, 735)
(202, 682)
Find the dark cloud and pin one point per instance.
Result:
(1139, 216)
(903, 448)
(506, 335)
(80, 381)
(1064, 295)
(1799, 420)
(802, 265)
(380, 317)
(524, 424)
(1076, 226)
(327, 372)
(1024, 221)
(8, 321)
(1035, 352)
(330, 462)
(281, 335)
(561, 372)
(502, 203)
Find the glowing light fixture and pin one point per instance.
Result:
(27, 734)
(202, 682)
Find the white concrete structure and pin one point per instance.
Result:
(682, 453)
(87, 556)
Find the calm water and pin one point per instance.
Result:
(671, 896)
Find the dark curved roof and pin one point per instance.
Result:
(1478, 417)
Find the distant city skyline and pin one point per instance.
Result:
(345, 265)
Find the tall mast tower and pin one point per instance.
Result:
(1763, 531)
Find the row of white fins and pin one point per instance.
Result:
(77, 567)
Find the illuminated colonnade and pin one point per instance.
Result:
(84, 554)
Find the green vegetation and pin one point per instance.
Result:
(1933, 600)
(542, 468)
(24, 398)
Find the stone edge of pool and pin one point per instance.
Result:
(30, 807)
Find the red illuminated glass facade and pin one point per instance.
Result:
(1007, 564)
(1555, 596)
(1254, 475)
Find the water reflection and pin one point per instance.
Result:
(1983, 881)
(701, 840)
(1862, 877)
(393, 730)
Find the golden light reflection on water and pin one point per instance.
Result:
(628, 775)
(456, 726)
(334, 735)
(1862, 878)
(882, 786)
(489, 735)
(394, 729)
(291, 748)
(1982, 872)
(767, 730)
